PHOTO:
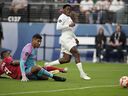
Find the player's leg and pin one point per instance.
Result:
(71, 49)
(68, 49)
(53, 68)
(65, 58)
(35, 77)
(39, 71)
(31, 73)
(76, 55)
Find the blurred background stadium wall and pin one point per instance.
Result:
(16, 35)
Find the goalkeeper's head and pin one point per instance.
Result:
(5, 53)
(36, 40)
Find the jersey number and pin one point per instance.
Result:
(6, 70)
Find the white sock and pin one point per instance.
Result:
(56, 62)
(79, 66)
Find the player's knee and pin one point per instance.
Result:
(37, 69)
(67, 60)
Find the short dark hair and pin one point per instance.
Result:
(3, 52)
(37, 36)
(66, 5)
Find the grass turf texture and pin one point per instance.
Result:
(104, 82)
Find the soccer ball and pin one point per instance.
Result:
(124, 81)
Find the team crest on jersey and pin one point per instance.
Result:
(60, 21)
(26, 54)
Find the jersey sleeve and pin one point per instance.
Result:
(24, 56)
(60, 24)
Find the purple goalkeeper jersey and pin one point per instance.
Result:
(28, 57)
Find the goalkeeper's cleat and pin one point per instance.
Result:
(57, 78)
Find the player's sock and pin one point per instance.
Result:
(54, 71)
(79, 66)
(56, 62)
(44, 72)
(52, 68)
(82, 73)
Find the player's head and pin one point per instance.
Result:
(5, 53)
(101, 31)
(118, 28)
(67, 9)
(36, 40)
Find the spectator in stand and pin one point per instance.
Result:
(94, 15)
(100, 41)
(17, 5)
(86, 8)
(117, 41)
(117, 7)
(102, 7)
(20, 8)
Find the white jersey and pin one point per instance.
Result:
(63, 23)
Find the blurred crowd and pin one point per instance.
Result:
(98, 11)
(91, 11)
(101, 11)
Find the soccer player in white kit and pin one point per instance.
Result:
(68, 41)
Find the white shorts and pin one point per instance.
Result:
(67, 45)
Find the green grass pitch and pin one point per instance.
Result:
(104, 82)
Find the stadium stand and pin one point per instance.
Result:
(48, 11)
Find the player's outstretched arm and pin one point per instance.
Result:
(24, 78)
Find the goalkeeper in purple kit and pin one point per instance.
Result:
(28, 66)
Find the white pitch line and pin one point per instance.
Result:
(58, 90)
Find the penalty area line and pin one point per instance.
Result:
(58, 90)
